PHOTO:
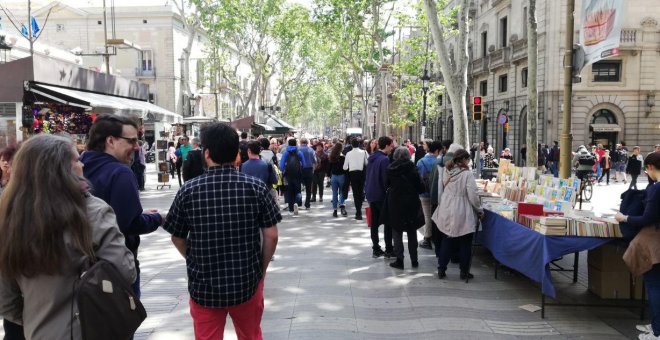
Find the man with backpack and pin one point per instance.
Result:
(291, 164)
(355, 163)
(425, 168)
(620, 160)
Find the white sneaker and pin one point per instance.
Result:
(295, 209)
(648, 336)
(644, 328)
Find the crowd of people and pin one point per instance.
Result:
(229, 241)
(620, 162)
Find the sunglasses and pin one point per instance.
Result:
(132, 141)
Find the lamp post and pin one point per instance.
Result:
(425, 90)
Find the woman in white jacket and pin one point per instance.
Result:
(460, 208)
(49, 225)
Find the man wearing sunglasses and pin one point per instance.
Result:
(110, 148)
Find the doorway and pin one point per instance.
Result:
(604, 129)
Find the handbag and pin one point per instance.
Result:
(107, 307)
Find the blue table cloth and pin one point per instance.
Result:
(528, 251)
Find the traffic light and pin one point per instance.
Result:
(477, 111)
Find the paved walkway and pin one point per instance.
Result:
(325, 285)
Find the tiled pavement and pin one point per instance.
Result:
(325, 285)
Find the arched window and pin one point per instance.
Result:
(604, 116)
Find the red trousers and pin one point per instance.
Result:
(209, 323)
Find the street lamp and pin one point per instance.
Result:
(425, 88)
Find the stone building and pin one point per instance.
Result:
(159, 32)
(614, 102)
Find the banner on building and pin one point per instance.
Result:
(600, 29)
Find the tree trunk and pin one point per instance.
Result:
(191, 29)
(454, 71)
(532, 94)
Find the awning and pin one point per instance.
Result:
(103, 103)
(243, 123)
(605, 128)
(198, 119)
(264, 127)
(280, 125)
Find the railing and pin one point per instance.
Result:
(500, 57)
(480, 65)
(519, 49)
(139, 72)
(628, 36)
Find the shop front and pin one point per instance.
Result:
(41, 95)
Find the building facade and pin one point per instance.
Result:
(160, 34)
(614, 102)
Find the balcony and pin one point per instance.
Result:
(631, 39)
(140, 73)
(480, 66)
(519, 48)
(500, 58)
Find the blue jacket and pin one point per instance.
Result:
(425, 165)
(286, 154)
(116, 184)
(309, 157)
(261, 170)
(376, 181)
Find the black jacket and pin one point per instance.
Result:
(634, 165)
(404, 209)
(193, 166)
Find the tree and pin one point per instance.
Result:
(239, 31)
(191, 24)
(453, 63)
(413, 58)
(532, 94)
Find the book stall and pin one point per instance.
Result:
(530, 221)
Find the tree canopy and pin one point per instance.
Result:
(322, 65)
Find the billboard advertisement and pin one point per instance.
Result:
(600, 29)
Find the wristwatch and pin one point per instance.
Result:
(625, 218)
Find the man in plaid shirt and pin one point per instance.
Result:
(217, 222)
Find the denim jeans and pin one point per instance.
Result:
(554, 168)
(652, 282)
(292, 191)
(337, 190)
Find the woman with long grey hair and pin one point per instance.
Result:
(50, 225)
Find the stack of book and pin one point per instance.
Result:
(529, 221)
(552, 225)
(594, 228)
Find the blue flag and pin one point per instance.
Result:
(35, 27)
(24, 31)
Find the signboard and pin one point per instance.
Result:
(502, 119)
(600, 29)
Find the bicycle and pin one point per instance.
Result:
(587, 187)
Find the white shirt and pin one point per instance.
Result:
(355, 160)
